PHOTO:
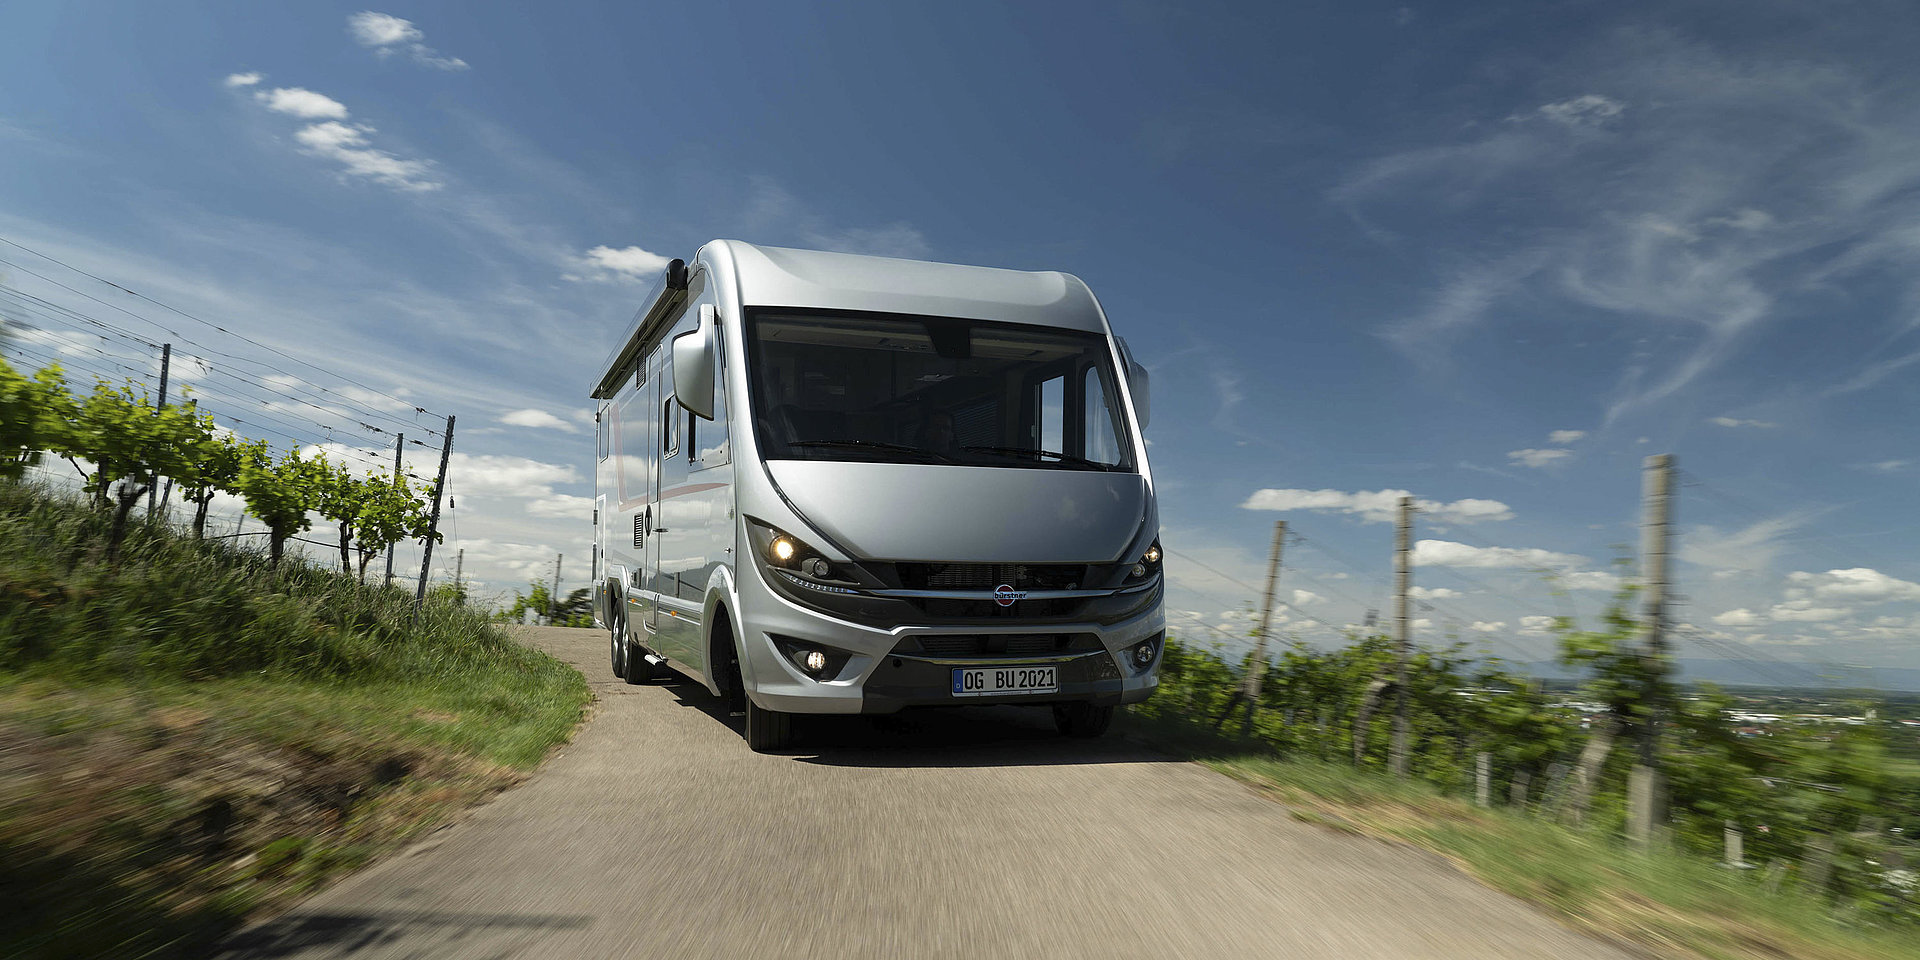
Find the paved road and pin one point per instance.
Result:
(933, 834)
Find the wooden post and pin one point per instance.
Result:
(166, 360)
(1402, 633)
(399, 440)
(1736, 846)
(1645, 789)
(1257, 670)
(1517, 791)
(1483, 778)
(433, 521)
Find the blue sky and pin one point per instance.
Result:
(1489, 254)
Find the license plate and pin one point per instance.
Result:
(981, 681)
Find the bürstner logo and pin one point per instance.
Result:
(1005, 594)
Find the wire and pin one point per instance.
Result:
(182, 313)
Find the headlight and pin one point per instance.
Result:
(787, 553)
(1148, 564)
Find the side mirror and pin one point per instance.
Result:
(693, 355)
(1136, 383)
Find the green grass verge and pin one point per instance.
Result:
(1664, 903)
(189, 737)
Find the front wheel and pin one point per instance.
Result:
(1082, 719)
(767, 730)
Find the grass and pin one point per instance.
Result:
(189, 737)
(1663, 903)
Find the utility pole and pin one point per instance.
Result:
(433, 520)
(1257, 670)
(166, 361)
(1643, 784)
(1402, 633)
(459, 574)
(553, 599)
(399, 439)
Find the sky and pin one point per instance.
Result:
(1491, 256)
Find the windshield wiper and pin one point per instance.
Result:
(1024, 452)
(874, 445)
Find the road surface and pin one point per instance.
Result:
(933, 834)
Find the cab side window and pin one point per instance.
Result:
(669, 428)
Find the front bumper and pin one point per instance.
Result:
(879, 678)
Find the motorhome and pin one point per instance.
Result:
(830, 483)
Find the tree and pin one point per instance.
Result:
(341, 496)
(24, 404)
(280, 493)
(389, 512)
(130, 443)
(212, 464)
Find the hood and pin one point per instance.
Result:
(937, 512)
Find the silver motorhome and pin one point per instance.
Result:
(830, 483)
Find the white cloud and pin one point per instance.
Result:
(1434, 593)
(1858, 584)
(1303, 597)
(539, 419)
(1535, 626)
(243, 79)
(1735, 422)
(1537, 458)
(301, 102)
(621, 263)
(505, 476)
(382, 30)
(1738, 617)
(1377, 506)
(1806, 611)
(1584, 111)
(385, 34)
(1422, 623)
(1482, 626)
(1590, 580)
(1564, 437)
(1752, 548)
(1446, 553)
(562, 506)
(348, 146)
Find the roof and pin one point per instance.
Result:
(786, 277)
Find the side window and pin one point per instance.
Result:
(1102, 445)
(670, 428)
(1051, 413)
(603, 428)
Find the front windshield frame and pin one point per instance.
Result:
(1085, 362)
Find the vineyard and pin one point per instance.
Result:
(1828, 809)
(124, 447)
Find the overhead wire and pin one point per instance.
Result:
(177, 311)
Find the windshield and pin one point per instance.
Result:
(907, 389)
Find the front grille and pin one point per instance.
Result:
(997, 645)
(1058, 607)
(986, 576)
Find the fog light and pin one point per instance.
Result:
(812, 661)
(1143, 655)
(1139, 570)
(817, 568)
(1153, 554)
(782, 549)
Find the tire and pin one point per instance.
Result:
(767, 730)
(617, 631)
(1082, 719)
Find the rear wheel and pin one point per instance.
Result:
(617, 629)
(1082, 719)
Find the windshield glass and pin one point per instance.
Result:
(907, 389)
